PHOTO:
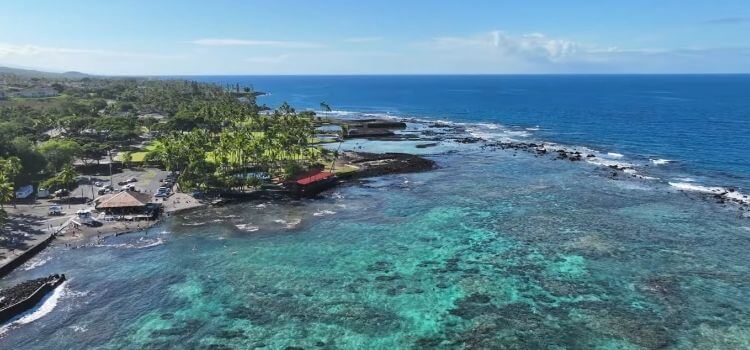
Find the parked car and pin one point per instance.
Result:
(42, 193)
(55, 210)
(129, 187)
(61, 193)
(104, 190)
(98, 184)
(132, 179)
(163, 192)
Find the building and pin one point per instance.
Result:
(312, 183)
(128, 203)
(2, 95)
(37, 92)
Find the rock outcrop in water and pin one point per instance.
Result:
(377, 164)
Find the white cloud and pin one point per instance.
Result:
(86, 60)
(250, 42)
(529, 46)
(27, 50)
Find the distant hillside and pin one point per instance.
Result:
(29, 73)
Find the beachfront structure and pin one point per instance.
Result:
(312, 183)
(127, 203)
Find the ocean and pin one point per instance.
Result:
(494, 249)
(701, 122)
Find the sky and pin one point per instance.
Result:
(160, 37)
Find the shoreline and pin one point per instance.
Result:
(371, 164)
(496, 137)
(181, 203)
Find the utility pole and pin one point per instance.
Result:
(109, 153)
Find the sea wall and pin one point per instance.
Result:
(25, 256)
(30, 301)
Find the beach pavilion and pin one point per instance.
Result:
(127, 203)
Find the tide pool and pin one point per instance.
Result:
(495, 249)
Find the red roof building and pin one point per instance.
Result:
(323, 175)
(312, 184)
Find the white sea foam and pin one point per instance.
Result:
(194, 224)
(725, 193)
(46, 306)
(685, 179)
(609, 163)
(152, 243)
(288, 224)
(614, 155)
(247, 227)
(738, 197)
(140, 244)
(324, 212)
(660, 161)
(79, 329)
(36, 262)
(494, 132)
(684, 186)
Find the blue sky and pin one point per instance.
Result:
(377, 37)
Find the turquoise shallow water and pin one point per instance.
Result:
(492, 250)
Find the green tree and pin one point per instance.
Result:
(126, 158)
(6, 190)
(59, 152)
(64, 179)
(9, 169)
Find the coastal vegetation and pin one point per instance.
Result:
(215, 137)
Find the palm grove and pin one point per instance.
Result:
(216, 137)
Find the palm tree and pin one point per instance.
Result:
(11, 167)
(325, 107)
(6, 190)
(126, 158)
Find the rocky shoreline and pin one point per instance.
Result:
(433, 133)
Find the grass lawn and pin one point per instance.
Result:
(138, 156)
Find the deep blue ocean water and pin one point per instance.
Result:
(494, 249)
(702, 121)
